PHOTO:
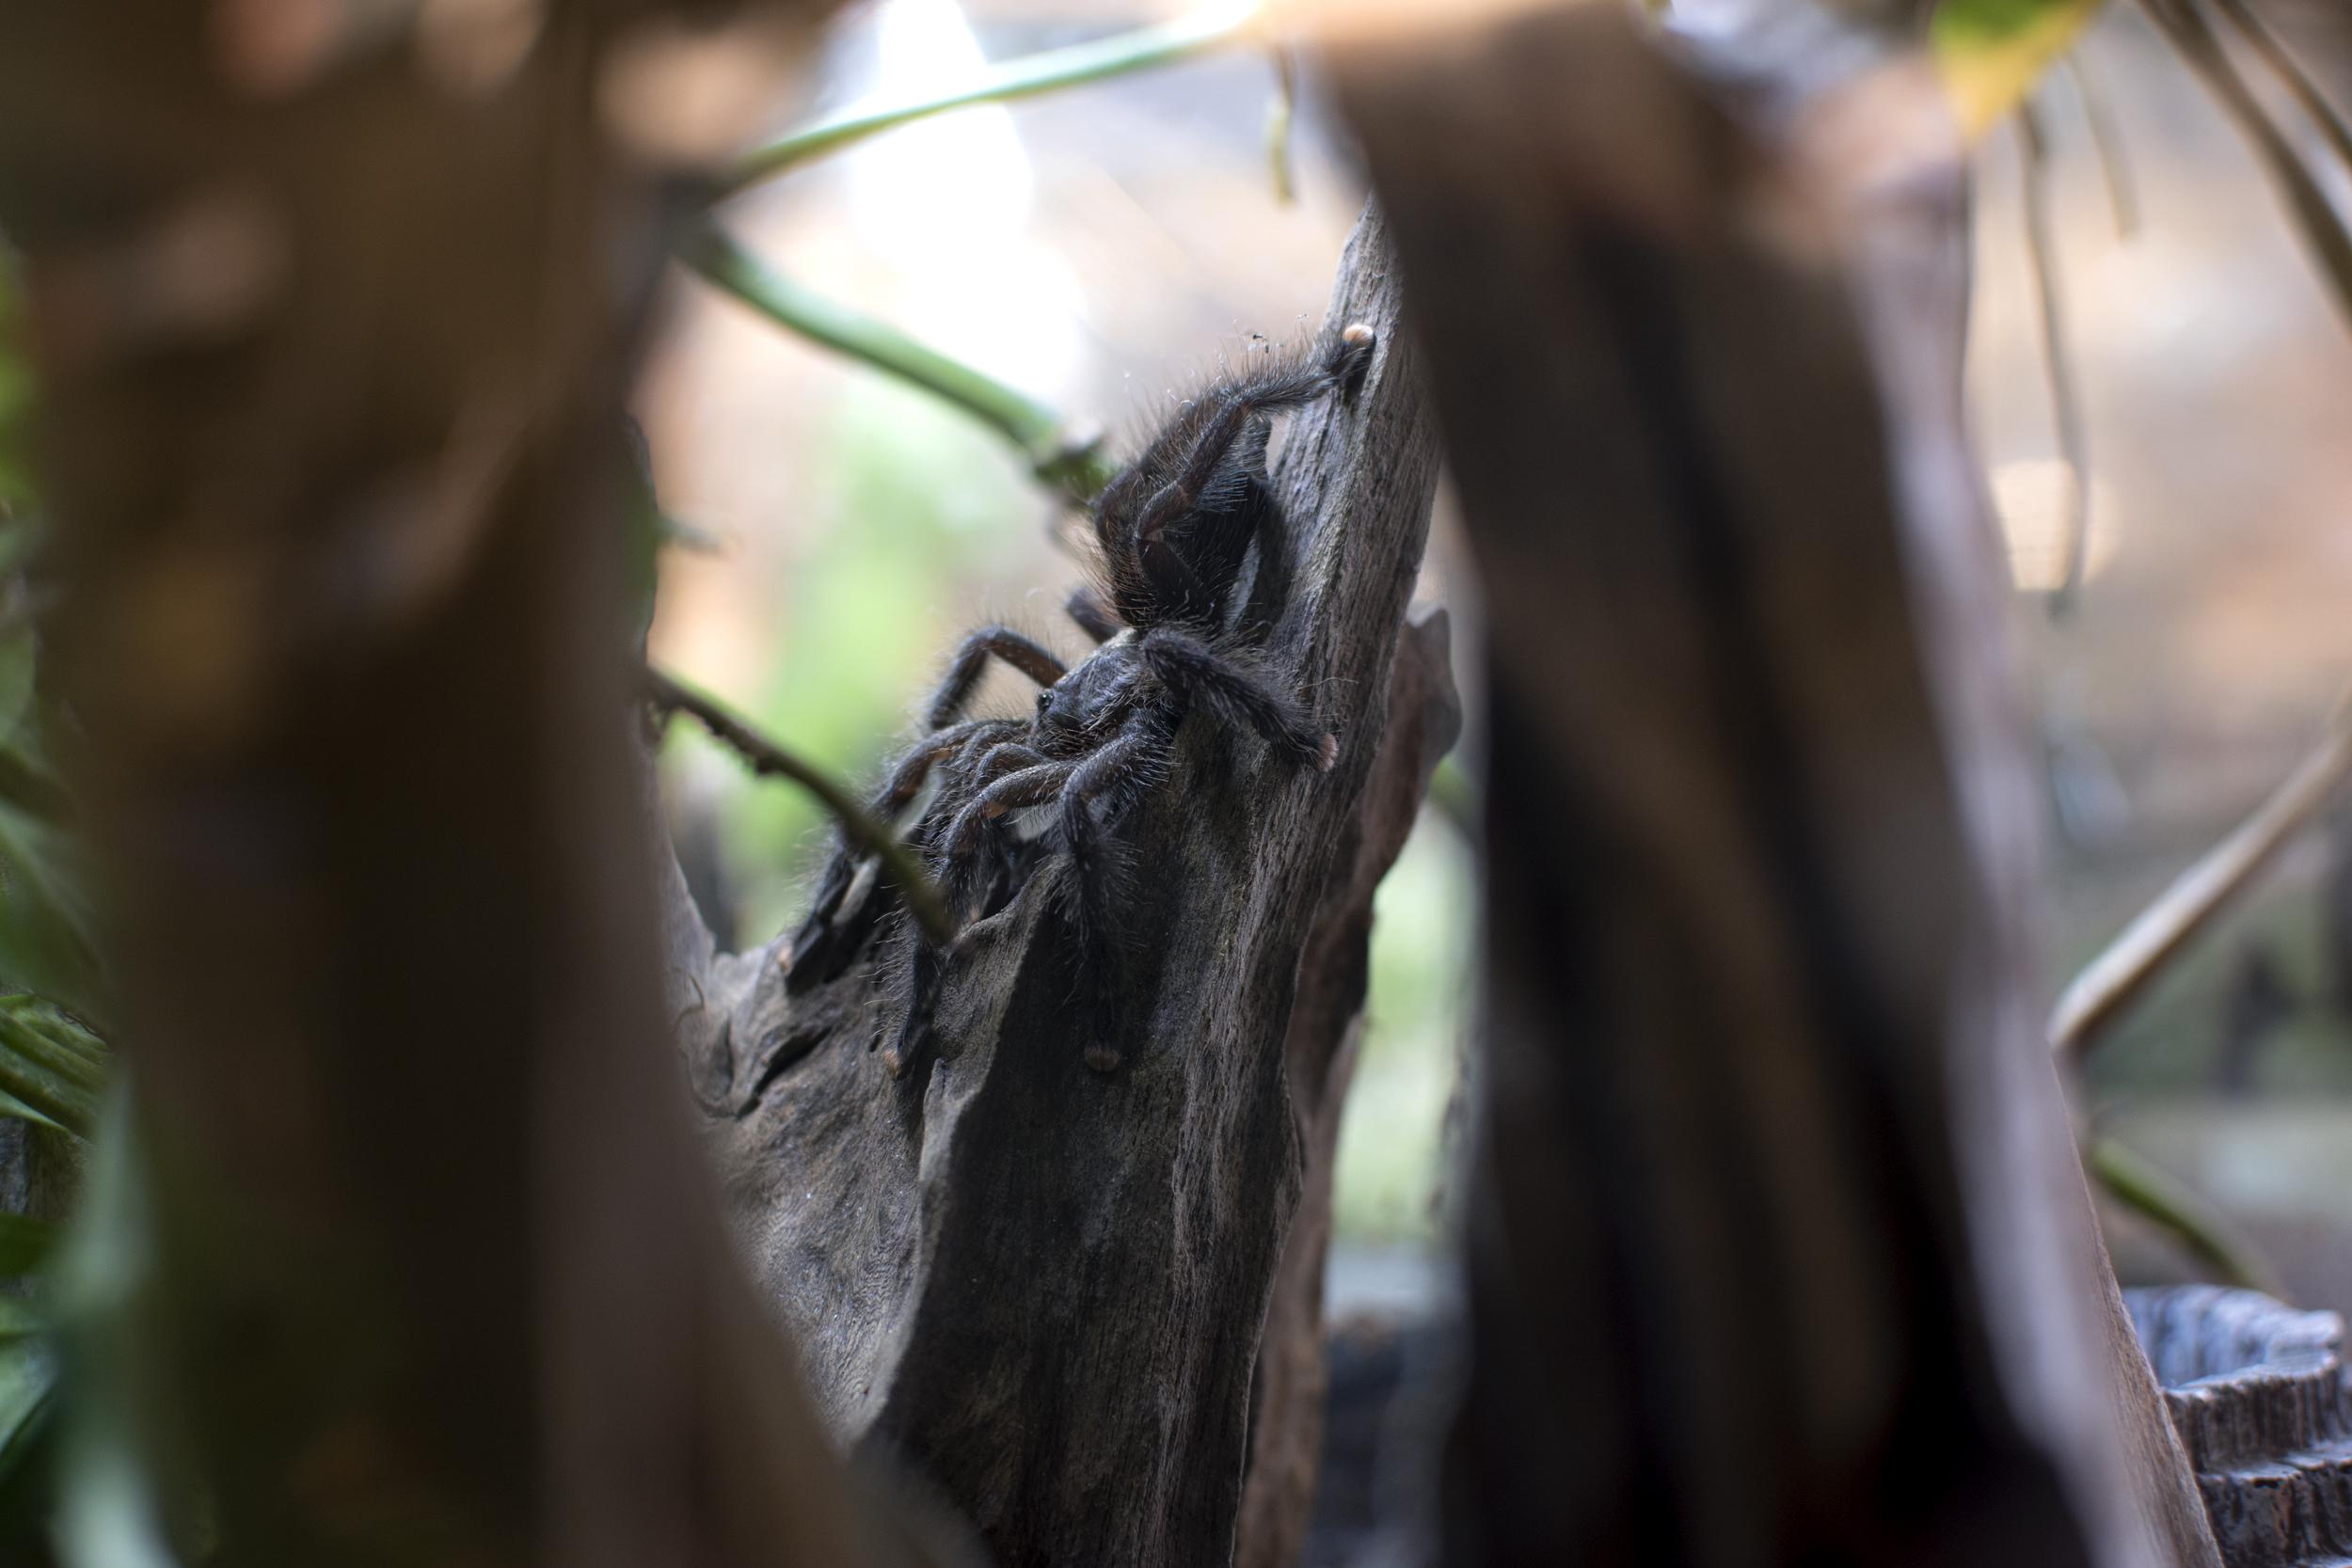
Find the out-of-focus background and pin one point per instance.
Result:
(1102, 248)
(2214, 636)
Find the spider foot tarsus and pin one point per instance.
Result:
(1351, 358)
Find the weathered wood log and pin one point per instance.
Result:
(1775, 1249)
(1038, 1285)
(1288, 1386)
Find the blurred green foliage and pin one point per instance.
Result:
(16, 390)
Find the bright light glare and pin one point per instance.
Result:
(2033, 499)
(945, 201)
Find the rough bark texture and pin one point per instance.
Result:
(1762, 1181)
(1326, 1018)
(2258, 1394)
(1038, 1285)
(335, 359)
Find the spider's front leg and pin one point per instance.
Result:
(1186, 665)
(1102, 886)
(964, 866)
(1026, 655)
(822, 946)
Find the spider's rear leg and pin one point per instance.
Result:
(1101, 883)
(1186, 665)
(1031, 657)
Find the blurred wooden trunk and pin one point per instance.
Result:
(335, 356)
(1777, 1248)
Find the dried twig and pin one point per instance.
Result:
(2112, 979)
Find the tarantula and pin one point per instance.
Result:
(1194, 561)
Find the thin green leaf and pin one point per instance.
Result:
(28, 1398)
(1208, 28)
(59, 1029)
(41, 943)
(16, 679)
(2139, 1185)
(37, 1039)
(32, 788)
(34, 1071)
(20, 1318)
(11, 1106)
(26, 1244)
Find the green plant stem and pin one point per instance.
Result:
(1070, 461)
(769, 759)
(1208, 28)
(2139, 1185)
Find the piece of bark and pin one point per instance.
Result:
(1326, 1018)
(1038, 1285)
(334, 359)
(1744, 1286)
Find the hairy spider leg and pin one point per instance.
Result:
(905, 782)
(1086, 607)
(1124, 760)
(1031, 657)
(963, 868)
(1031, 787)
(1185, 665)
(1006, 757)
(1230, 413)
(818, 953)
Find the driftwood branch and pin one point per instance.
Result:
(1038, 1286)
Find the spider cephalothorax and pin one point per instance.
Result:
(1194, 563)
